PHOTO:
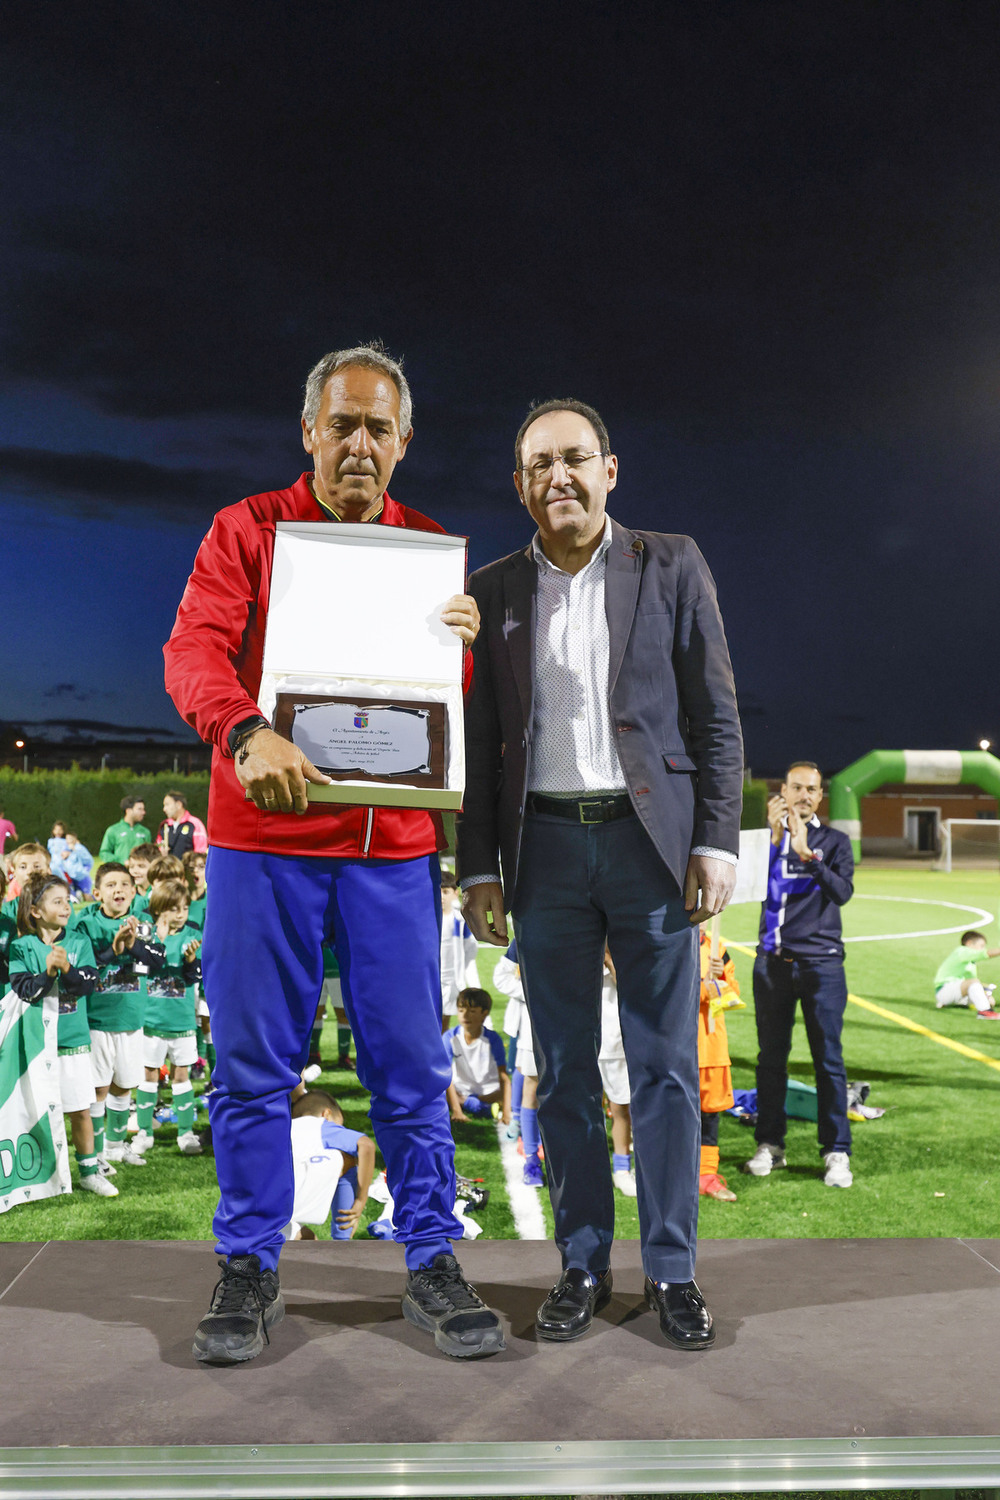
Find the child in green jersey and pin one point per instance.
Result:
(194, 869)
(25, 860)
(47, 958)
(138, 864)
(957, 981)
(194, 874)
(170, 1024)
(8, 929)
(116, 1008)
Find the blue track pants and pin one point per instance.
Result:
(262, 960)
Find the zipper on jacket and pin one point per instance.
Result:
(368, 830)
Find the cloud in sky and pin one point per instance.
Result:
(97, 483)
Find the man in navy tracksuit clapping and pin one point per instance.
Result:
(800, 957)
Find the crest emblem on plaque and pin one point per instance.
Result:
(361, 719)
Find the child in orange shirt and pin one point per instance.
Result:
(715, 1079)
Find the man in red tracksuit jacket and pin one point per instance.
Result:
(286, 877)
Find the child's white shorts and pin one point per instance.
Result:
(201, 1009)
(76, 1082)
(950, 993)
(331, 995)
(614, 1076)
(116, 1057)
(182, 1051)
(512, 1015)
(316, 1179)
(524, 1060)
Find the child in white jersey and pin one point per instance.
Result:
(479, 1077)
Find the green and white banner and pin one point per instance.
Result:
(34, 1158)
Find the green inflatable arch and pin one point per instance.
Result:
(926, 767)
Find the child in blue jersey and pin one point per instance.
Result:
(479, 1077)
(170, 1024)
(334, 1167)
(116, 1009)
(48, 956)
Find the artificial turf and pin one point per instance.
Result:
(928, 1168)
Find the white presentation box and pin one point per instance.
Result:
(359, 670)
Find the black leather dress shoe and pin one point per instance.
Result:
(569, 1309)
(685, 1321)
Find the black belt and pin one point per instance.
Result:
(583, 809)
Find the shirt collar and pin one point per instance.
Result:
(814, 822)
(539, 555)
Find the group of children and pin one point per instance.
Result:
(489, 1079)
(126, 972)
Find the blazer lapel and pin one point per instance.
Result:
(621, 594)
(519, 625)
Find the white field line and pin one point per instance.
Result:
(976, 912)
(980, 916)
(525, 1202)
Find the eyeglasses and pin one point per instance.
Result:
(541, 468)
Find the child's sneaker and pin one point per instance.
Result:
(624, 1181)
(188, 1144)
(105, 1168)
(143, 1142)
(95, 1183)
(122, 1151)
(711, 1185)
(838, 1169)
(514, 1130)
(988, 1015)
(764, 1160)
(532, 1175)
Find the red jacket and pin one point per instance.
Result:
(213, 671)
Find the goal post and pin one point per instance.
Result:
(969, 844)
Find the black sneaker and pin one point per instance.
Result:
(440, 1300)
(245, 1304)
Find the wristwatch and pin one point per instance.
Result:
(243, 730)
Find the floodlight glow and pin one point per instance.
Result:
(985, 744)
(18, 744)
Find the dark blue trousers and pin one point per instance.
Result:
(779, 981)
(578, 887)
(266, 921)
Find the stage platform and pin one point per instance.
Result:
(834, 1357)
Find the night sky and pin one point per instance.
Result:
(761, 238)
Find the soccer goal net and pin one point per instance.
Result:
(969, 844)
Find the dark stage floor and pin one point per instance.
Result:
(817, 1339)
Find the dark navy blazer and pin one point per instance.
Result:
(672, 697)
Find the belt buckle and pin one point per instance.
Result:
(595, 803)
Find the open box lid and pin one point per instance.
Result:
(363, 601)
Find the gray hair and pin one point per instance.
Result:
(371, 356)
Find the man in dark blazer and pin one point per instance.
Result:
(604, 768)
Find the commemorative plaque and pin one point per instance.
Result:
(359, 671)
(369, 740)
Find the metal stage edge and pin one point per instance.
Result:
(324, 1471)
